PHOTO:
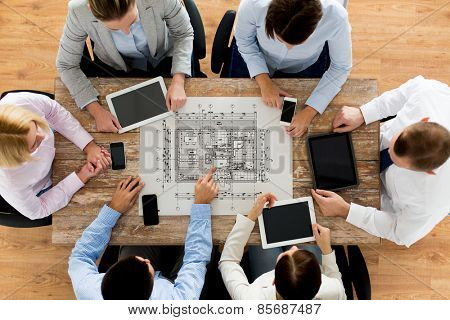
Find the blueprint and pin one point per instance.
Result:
(241, 137)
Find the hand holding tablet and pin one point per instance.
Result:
(287, 222)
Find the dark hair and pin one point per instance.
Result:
(106, 10)
(298, 276)
(293, 20)
(425, 144)
(127, 279)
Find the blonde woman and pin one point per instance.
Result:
(27, 150)
(143, 38)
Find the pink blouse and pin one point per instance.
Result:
(20, 186)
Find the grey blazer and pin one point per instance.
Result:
(156, 17)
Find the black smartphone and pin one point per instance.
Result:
(117, 155)
(150, 209)
(289, 105)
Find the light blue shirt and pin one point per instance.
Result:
(265, 55)
(133, 46)
(86, 279)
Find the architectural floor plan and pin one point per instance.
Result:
(241, 137)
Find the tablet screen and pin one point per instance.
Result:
(288, 222)
(333, 161)
(140, 104)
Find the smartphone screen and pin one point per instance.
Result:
(150, 209)
(117, 155)
(288, 111)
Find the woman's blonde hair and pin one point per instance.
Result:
(14, 127)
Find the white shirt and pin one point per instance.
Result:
(265, 55)
(262, 288)
(412, 202)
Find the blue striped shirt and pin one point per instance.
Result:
(86, 279)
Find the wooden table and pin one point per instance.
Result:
(69, 223)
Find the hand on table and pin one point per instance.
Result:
(263, 199)
(89, 171)
(95, 153)
(104, 120)
(347, 119)
(271, 94)
(206, 189)
(323, 238)
(176, 96)
(126, 194)
(330, 203)
(301, 122)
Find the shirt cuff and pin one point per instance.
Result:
(108, 216)
(245, 222)
(318, 101)
(200, 211)
(370, 112)
(356, 214)
(82, 139)
(328, 259)
(87, 102)
(255, 69)
(74, 183)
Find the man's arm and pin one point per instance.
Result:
(404, 227)
(340, 49)
(82, 262)
(390, 102)
(70, 53)
(233, 275)
(197, 254)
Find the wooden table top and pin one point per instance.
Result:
(70, 222)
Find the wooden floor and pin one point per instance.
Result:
(393, 41)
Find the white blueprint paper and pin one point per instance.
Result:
(240, 136)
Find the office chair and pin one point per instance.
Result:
(354, 272)
(10, 217)
(199, 51)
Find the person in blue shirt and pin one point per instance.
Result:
(293, 39)
(136, 277)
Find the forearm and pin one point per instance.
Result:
(65, 123)
(237, 239)
(382, 224)
(91, 244)
(328, 87)
(197, 254)
(96, 236)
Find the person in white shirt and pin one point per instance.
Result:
(297, 274)
(414, 165)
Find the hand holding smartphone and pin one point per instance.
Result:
(288, 112)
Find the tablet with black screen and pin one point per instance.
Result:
(287, 222)
(140, 104)
(332, 161)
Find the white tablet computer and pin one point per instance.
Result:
(139, 105)
(287, 222)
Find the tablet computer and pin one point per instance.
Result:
(332, 161)
(140, 104)
(287, 222)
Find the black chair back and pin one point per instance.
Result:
(221, 54)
